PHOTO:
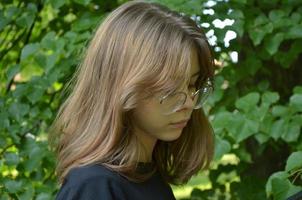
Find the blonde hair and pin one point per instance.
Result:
(139, 47)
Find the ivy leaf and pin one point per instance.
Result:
(18, 110)
(28, 16)
(221, 147)
(82, 2)
(280, 188)
(279, 111)
(298, 90)
(294, 161)
(277, 129)
(276, 15)
(296, 102)
(56, 4)
(273, 43)
(277, 175)
(13, 186)
(293, 133)
(248, 128)
(29, 50)
(248, 102)
(294, 32)
(12, 71)
(257, 33)
(11, 158)
(270, 97)
(222, 119)
(238, 27)
(28, 194)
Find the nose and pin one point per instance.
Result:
(188, 104)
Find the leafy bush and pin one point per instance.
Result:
(256, 110)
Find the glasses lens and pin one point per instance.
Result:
(173, 102)
(202, 96)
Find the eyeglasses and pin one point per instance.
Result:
(173, 102)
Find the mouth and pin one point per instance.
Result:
(180, 124)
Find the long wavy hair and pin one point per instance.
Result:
(139, 47)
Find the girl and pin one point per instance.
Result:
(133, 123)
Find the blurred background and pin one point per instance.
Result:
(256, 108)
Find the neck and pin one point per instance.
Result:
(146, 145)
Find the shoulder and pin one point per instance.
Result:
(96, 180)
(90, 172)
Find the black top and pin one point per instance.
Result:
(95, 182)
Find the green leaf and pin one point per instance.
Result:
(82, 2)
(13, 186)
(35, 94)
(4, 119)
(276, 15)
(248, 102)
(243, 155)
(12, 71)
(261, 138)
(3, 21)
(296, 102)
(238, 27)
(11, 158)
(236, 14)
(240, 1)
(253, 64)
(280, 188)
(294, 161)
(48, 41)
(293, 133)
(257, 33)
(29, 50)
(279, 111)
(294, 32)
(28, 194)
(18, 110)
(28, 16)
(56, 4)
(248, 128)
(44, 196)
(298, 90)
(221, 147)
(260, 20)
(221, 119)
(270, 97)
(277, 175)
(272, 44)
(86, 21)
(295, 17)
(277, 129)
(35, 154)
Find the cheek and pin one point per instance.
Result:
(150, 116)
(150, 121)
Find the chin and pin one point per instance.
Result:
(171, 136)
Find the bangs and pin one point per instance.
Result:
(175, 68)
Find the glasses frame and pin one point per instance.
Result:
(207, 88)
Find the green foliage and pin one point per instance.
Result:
(41, 42)
(256, 109)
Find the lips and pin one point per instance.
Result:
(180, 124)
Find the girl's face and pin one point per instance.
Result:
(150, 124)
